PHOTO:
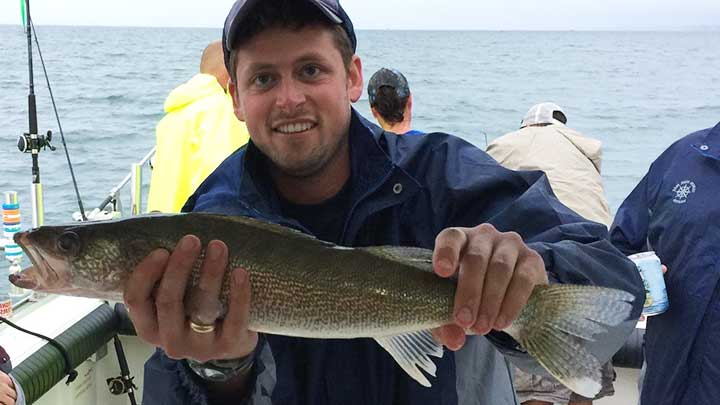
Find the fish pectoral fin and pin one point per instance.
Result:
(413, 350)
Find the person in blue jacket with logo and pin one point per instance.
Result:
(315, 164)
(675, 211)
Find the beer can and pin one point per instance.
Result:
(650, 268)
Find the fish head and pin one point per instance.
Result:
(49, 270)
(75, 260)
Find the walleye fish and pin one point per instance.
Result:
(305, 287)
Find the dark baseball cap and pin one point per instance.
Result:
(387, 78)
(240, 11)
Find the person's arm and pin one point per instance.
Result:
(573, 250)
(155, 299)
(20, 400)
(10, 391)
(499, 270)
(629, 231)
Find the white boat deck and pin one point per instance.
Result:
(50, 317)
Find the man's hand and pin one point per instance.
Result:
(154, 296)
(496, 271)
(7, 390)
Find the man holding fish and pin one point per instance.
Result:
(314, 163)
(494, 239)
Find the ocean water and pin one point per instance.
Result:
(636, 91)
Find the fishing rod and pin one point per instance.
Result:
(32, 142)
(122, 384)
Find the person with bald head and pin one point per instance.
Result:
(199, 130)
(211, 63)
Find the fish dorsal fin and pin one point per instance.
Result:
(270, 226)
(413, 350)
(285, 231)
(413, 256)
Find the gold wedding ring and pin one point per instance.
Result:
(201, 328)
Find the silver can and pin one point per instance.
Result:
(650, 268)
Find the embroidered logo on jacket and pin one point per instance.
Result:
(682, 191)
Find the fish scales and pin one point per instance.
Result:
(328, 291)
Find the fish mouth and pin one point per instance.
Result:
(25, 279)
(42, 270)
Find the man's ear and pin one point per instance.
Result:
(355, 79)
(237, 108)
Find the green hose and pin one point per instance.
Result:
(46, 367)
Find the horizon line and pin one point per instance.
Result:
(700, 28)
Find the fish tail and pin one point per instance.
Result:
(559, 320)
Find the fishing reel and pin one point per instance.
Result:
(28, 143)
(121, 385)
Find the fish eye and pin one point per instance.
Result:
(68, 242)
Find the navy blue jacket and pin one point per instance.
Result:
(675, 211)
(405, 191)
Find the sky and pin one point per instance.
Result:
(396, 14)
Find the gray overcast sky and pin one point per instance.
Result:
(396, 14)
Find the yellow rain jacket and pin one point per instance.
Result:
(570, 160)
(197, 133)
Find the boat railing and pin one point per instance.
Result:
(134, 179)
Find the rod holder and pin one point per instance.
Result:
(136, 189)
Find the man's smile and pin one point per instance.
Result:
(294, 127)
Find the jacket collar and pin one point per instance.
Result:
(373, 175)
(709, 145)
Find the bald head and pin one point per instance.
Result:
(212, 63)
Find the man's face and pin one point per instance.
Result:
(294, 93)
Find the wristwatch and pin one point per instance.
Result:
(222, 370)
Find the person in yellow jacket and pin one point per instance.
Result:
(197, 133)
(572, 163)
